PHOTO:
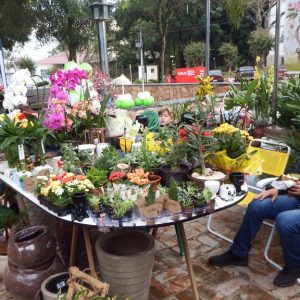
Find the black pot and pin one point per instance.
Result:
(142, 119)
(179, 175)
(115, 141)
(129, 214)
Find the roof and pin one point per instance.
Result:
(58, 59)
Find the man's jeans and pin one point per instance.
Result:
(284, 211)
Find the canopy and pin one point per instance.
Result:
(121, 80)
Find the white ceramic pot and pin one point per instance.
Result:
(100, 147)
(90, 148)
(227, 192)
(212, 185)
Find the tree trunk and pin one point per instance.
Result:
(162, 57)
(72, 54)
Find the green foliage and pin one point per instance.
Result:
(194, 54)
(108, 160)
(187, 194)
(260, 42)
(26, 63)
(173, 190)
(288, 103)
(235, 10)
(16, 22)
(97, 177)
(8, 217)
(69, 158)
(69, 22)
(150, 198)
(230, 53)
(42, 83)
(180, 108)
(207, 194)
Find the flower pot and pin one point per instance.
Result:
(53, 284)
(31, 247)
(154, 180)
(126, 269)
(179, 175)
(188, 211)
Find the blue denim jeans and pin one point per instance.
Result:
(284, 211)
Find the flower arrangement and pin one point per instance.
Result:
(15, 94)
(233, 154)
(74, 104)
(58, 189)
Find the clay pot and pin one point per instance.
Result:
(31, 247)
(25, 283)
(154, 180)
(53, 284)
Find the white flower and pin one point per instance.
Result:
(59, 191)
(95, 106)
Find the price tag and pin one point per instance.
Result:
(21, 152)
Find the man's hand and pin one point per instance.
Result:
(295, 190)
(273, 193)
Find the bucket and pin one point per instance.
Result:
(125, 262)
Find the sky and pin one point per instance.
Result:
(33, 49)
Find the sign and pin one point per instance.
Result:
(189, 74)
(292, 36)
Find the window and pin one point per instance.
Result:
(45, 73)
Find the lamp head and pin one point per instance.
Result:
(101, 11)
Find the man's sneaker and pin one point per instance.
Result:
(287, 276)
(227, 259)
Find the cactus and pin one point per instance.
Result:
(173, 191)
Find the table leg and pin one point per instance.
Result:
(188, 261)
(179, 240)
(88, 247)
(73, 244)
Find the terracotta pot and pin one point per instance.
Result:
(31, 247)
(154, 180)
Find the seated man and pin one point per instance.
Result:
(284, 209)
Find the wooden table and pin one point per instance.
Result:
(136, 222)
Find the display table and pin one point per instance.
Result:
(135, 222)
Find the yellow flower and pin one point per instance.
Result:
(1, 118)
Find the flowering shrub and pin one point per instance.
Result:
(205, 87)
(59, 189)
(232, 154)
(232, 139)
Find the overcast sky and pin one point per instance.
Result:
(33, 49)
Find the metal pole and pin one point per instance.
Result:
(2, 67)
(276, 56)
(130, 72)
(99, 39)
(207, 40)
(103, 48)
(142, 55)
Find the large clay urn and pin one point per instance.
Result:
(31, 258)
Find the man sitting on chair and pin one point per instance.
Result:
(285, 210)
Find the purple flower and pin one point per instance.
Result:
(56, 121)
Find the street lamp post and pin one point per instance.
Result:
(101, 12)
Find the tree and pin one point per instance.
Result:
(235, 10)
(230, 53)
(260, 43)
(194, 54)
(16, 22)
(68, 21)
(26, 63)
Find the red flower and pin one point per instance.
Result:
(206, 133)
(115, 176)
(183, 133)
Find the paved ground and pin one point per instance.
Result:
(170, 279)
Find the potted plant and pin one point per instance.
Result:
(171, 146)
(171, 203)
(150, 210)
(98, 178)
(108, 159)
(8, 219)
(186, 198)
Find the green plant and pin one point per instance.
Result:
(108, 160)
(180, 108)
(94, 201)
(207, 194)
(186, 194)
(173, 190)
(8, 218)
(150, 198)
(119, 206)
(97, 177)
(69, 158)
(170, 143)
(198, 144)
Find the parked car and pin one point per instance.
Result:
(281, 72)
(217, 75)
(245, 72)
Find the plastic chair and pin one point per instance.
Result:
(275, 157)
(153, 122)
